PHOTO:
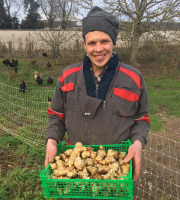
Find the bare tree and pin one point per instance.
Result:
(12, 4)
(57, 40)
(64, 10)
(142, 16)
(12, 8)
(68, 10)
(84, 6)
(49, 8)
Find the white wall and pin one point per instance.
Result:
(21, 38)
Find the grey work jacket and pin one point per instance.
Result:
(123, 115)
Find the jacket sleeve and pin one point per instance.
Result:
(56, 126)
(140, 128)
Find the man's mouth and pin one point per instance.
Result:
(99, 56)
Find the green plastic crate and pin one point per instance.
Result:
(88, 188)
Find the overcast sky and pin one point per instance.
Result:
(97, 3)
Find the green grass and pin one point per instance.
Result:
(164, 100)
(20, 175)
(26, 73)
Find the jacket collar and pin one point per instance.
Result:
(106, 80)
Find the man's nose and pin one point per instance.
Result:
(98, 47)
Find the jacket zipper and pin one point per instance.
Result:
(104, 104)
(104, 129)
(85, 130)
(97, 90)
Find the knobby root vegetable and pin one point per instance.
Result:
(84, 163)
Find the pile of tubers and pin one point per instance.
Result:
(83, 163)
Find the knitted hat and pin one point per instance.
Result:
(98, 19)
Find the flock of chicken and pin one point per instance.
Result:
(12, 65)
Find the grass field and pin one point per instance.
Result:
(20, 164)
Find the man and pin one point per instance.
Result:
(100, 100)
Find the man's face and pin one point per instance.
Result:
(99, 47)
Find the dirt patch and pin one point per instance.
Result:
(171, 128)
(7, 160)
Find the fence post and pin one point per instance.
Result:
(10, 47)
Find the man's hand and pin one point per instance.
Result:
(51, 151)
(134, 152)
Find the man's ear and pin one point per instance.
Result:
(84, 42)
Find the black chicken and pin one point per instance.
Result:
(6, 62)
(50, 80)
(45, 54)
(15, 69)
(22, 87)
(39, 80)
(14, 63)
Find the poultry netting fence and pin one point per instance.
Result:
(24, 115)
(160, 174)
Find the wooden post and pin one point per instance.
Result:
(10, 47)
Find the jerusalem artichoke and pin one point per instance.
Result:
(85, 163)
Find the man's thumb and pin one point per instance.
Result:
(48, 160)
(129, 156)
(51, 159)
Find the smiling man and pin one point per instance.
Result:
(99, 48)
(100, 100)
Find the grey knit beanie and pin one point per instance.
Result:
(98, 19)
